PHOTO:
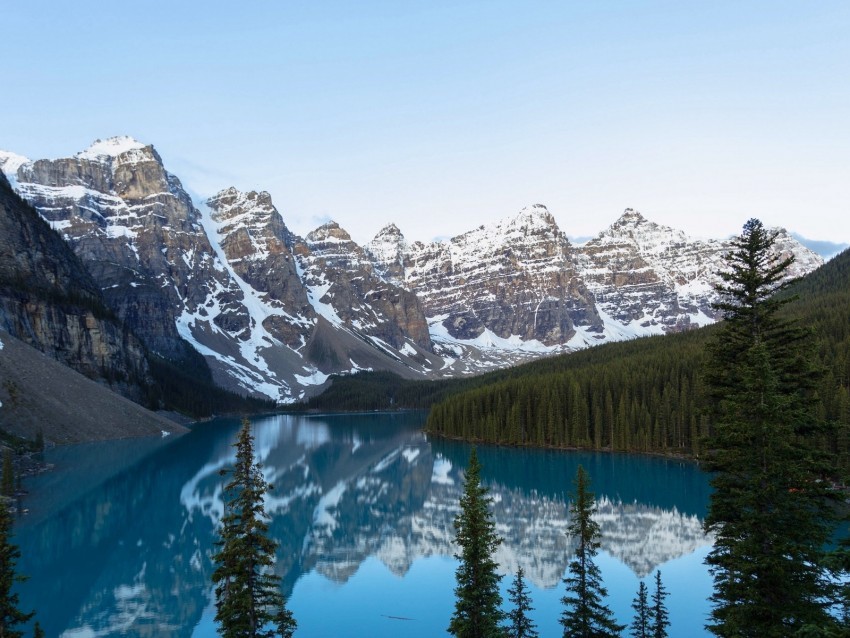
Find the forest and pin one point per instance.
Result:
(645, 395)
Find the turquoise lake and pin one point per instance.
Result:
(118, 538)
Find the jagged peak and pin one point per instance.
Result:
(328, 231)
(389, 232)
(111, 147)
(232, 195)
(630, 216)
(534, 219)
(389, 229)
(536, 211)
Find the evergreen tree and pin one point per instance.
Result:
(641, 623)
(770, 511)
(248, 598)
(521, 626)
(585, 615)
(7, 483)
(660, 616)
(37, 631)
(10, 615)
(477, 606)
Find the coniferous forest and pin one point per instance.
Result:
(647, 395)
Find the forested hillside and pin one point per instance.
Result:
(642, 395)
(645, 395)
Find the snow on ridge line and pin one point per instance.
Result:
(10, 163)
(110, 147)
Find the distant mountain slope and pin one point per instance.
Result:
(38, 393)
(825, 249)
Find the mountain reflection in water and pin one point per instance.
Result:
(131, 556)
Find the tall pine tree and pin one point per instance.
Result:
(478, 602)
(641, 622)
(659, 613)
(10, 615)
(771, 511)
(585, 615)
(521, 626)
(249, 602)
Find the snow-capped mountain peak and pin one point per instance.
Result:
(11, 162)
(330, 232)
(275, 313)
(110, 147)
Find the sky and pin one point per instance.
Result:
(442, 116)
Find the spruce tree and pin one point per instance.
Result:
(477, 599)
(7, 482)
(585, 615)
(249, 602)
(37, 631)
(770, 510)
(641, 624)
(521, 626)
(10, 615)
(660, 616)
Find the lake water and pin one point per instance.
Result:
(119, 537)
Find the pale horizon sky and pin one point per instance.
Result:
(442, 116)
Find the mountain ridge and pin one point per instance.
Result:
(275, 314)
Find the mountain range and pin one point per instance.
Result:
(275, 314)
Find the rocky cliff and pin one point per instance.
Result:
(519, 286)
(49, 301)
(274, 314)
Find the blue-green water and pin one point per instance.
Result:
(119, 536)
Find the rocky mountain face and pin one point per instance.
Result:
(222, 278)
(274, 314)
(519, 285)
(515, 278)
(49, 301)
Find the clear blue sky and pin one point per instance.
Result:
(442, 116)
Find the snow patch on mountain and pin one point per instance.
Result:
(10, 163)
(110, 147)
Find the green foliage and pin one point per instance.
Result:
(641, 623)
(477, 599)
(659, 614)
(10, 615)
(585, 615)
(637, 396)
(771, 511)
(37, 631)
(367, 391)
(187, 387)
(248, 598)
(521, 626)
(7, 483)
(648, 395)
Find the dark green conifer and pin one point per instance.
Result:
(37, 631)
(249, 603)
(771, 511)
(641, 623)
(10, 615)
(478, 602)
(521, 626)
(585, 615)
(7, 483)
(660, 616)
